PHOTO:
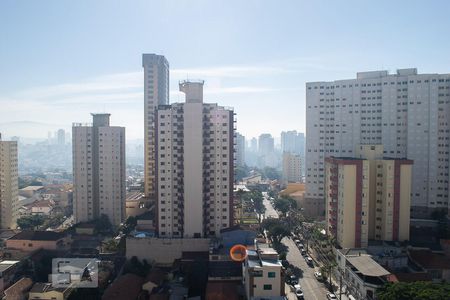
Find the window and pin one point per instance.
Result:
(267, 287)
(271, 275)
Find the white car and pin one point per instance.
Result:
(331, 296)
(318, 276)
(298, 291)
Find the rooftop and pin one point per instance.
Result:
(125, 287)
(32, 188)
(367, 266)
(38, 235)
(430, 260)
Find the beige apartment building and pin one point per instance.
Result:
(98, 170)
(156, 92)
(368, 197)
(9, 184)
(195, 143)
(292, 167)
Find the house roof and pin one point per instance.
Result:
(32, 188)
(126, 287)
(412, 277)
(18, 288)
(222, 290)
(38, 235)
(156, 276)
(429, 260)
(367, 266)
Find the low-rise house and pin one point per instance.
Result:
(262, 274)
(436, 265)
(360, 273)
(126, 287)
(31, 191)
(29, 241)
(38, 207)
(19, 290)
(45, 291)
(8, 269)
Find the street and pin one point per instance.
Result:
(312, 289)
(270, 211)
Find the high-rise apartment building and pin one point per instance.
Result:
(253, 145)
(195, 143)
(156, 92)
(9, 184)
(292, 167)
(61, 137)
(293, 141)
(368, 197)
(99, 170)
(240, 150)
(266, 151)
(406, 112)
(266, 144)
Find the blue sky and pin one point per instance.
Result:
(61, 60)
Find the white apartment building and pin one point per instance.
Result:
(9, 184)
(293, 141)
(262, 274)
(195, 143)
(156, 92)
(240, 150)
(98, 170)
(292, 167)
(406, 112)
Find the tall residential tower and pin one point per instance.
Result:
(9, 184)
(99, 170)
(156, 92)
(195, 143)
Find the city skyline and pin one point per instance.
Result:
(245, 68)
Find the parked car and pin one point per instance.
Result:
(331, 296)
(298, 291)
(292, 279)
(318, 276)
(303, 252)
(309, 261)
(300, 246)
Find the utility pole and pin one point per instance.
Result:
(340, 284)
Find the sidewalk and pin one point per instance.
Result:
(290, 295)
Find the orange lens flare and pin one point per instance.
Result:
(238, 253)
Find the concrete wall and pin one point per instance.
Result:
(193, 170)
(163, 251)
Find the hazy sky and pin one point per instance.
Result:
(61, 60)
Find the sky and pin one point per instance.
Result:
(61, 60)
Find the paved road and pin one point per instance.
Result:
(270, 211)
(312, 289)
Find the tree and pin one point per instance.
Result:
(271, 173)
(30, 222)
(414, 291)
(285, 205)
(276, 229)
(103, 224)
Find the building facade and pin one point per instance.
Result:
(368, 197)
(195, 165)
(262, 274)
(406, 112)
(99, 170)
(293, 141)
(292, 167)
(156, 92)
(9, 184)
(240, 150)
